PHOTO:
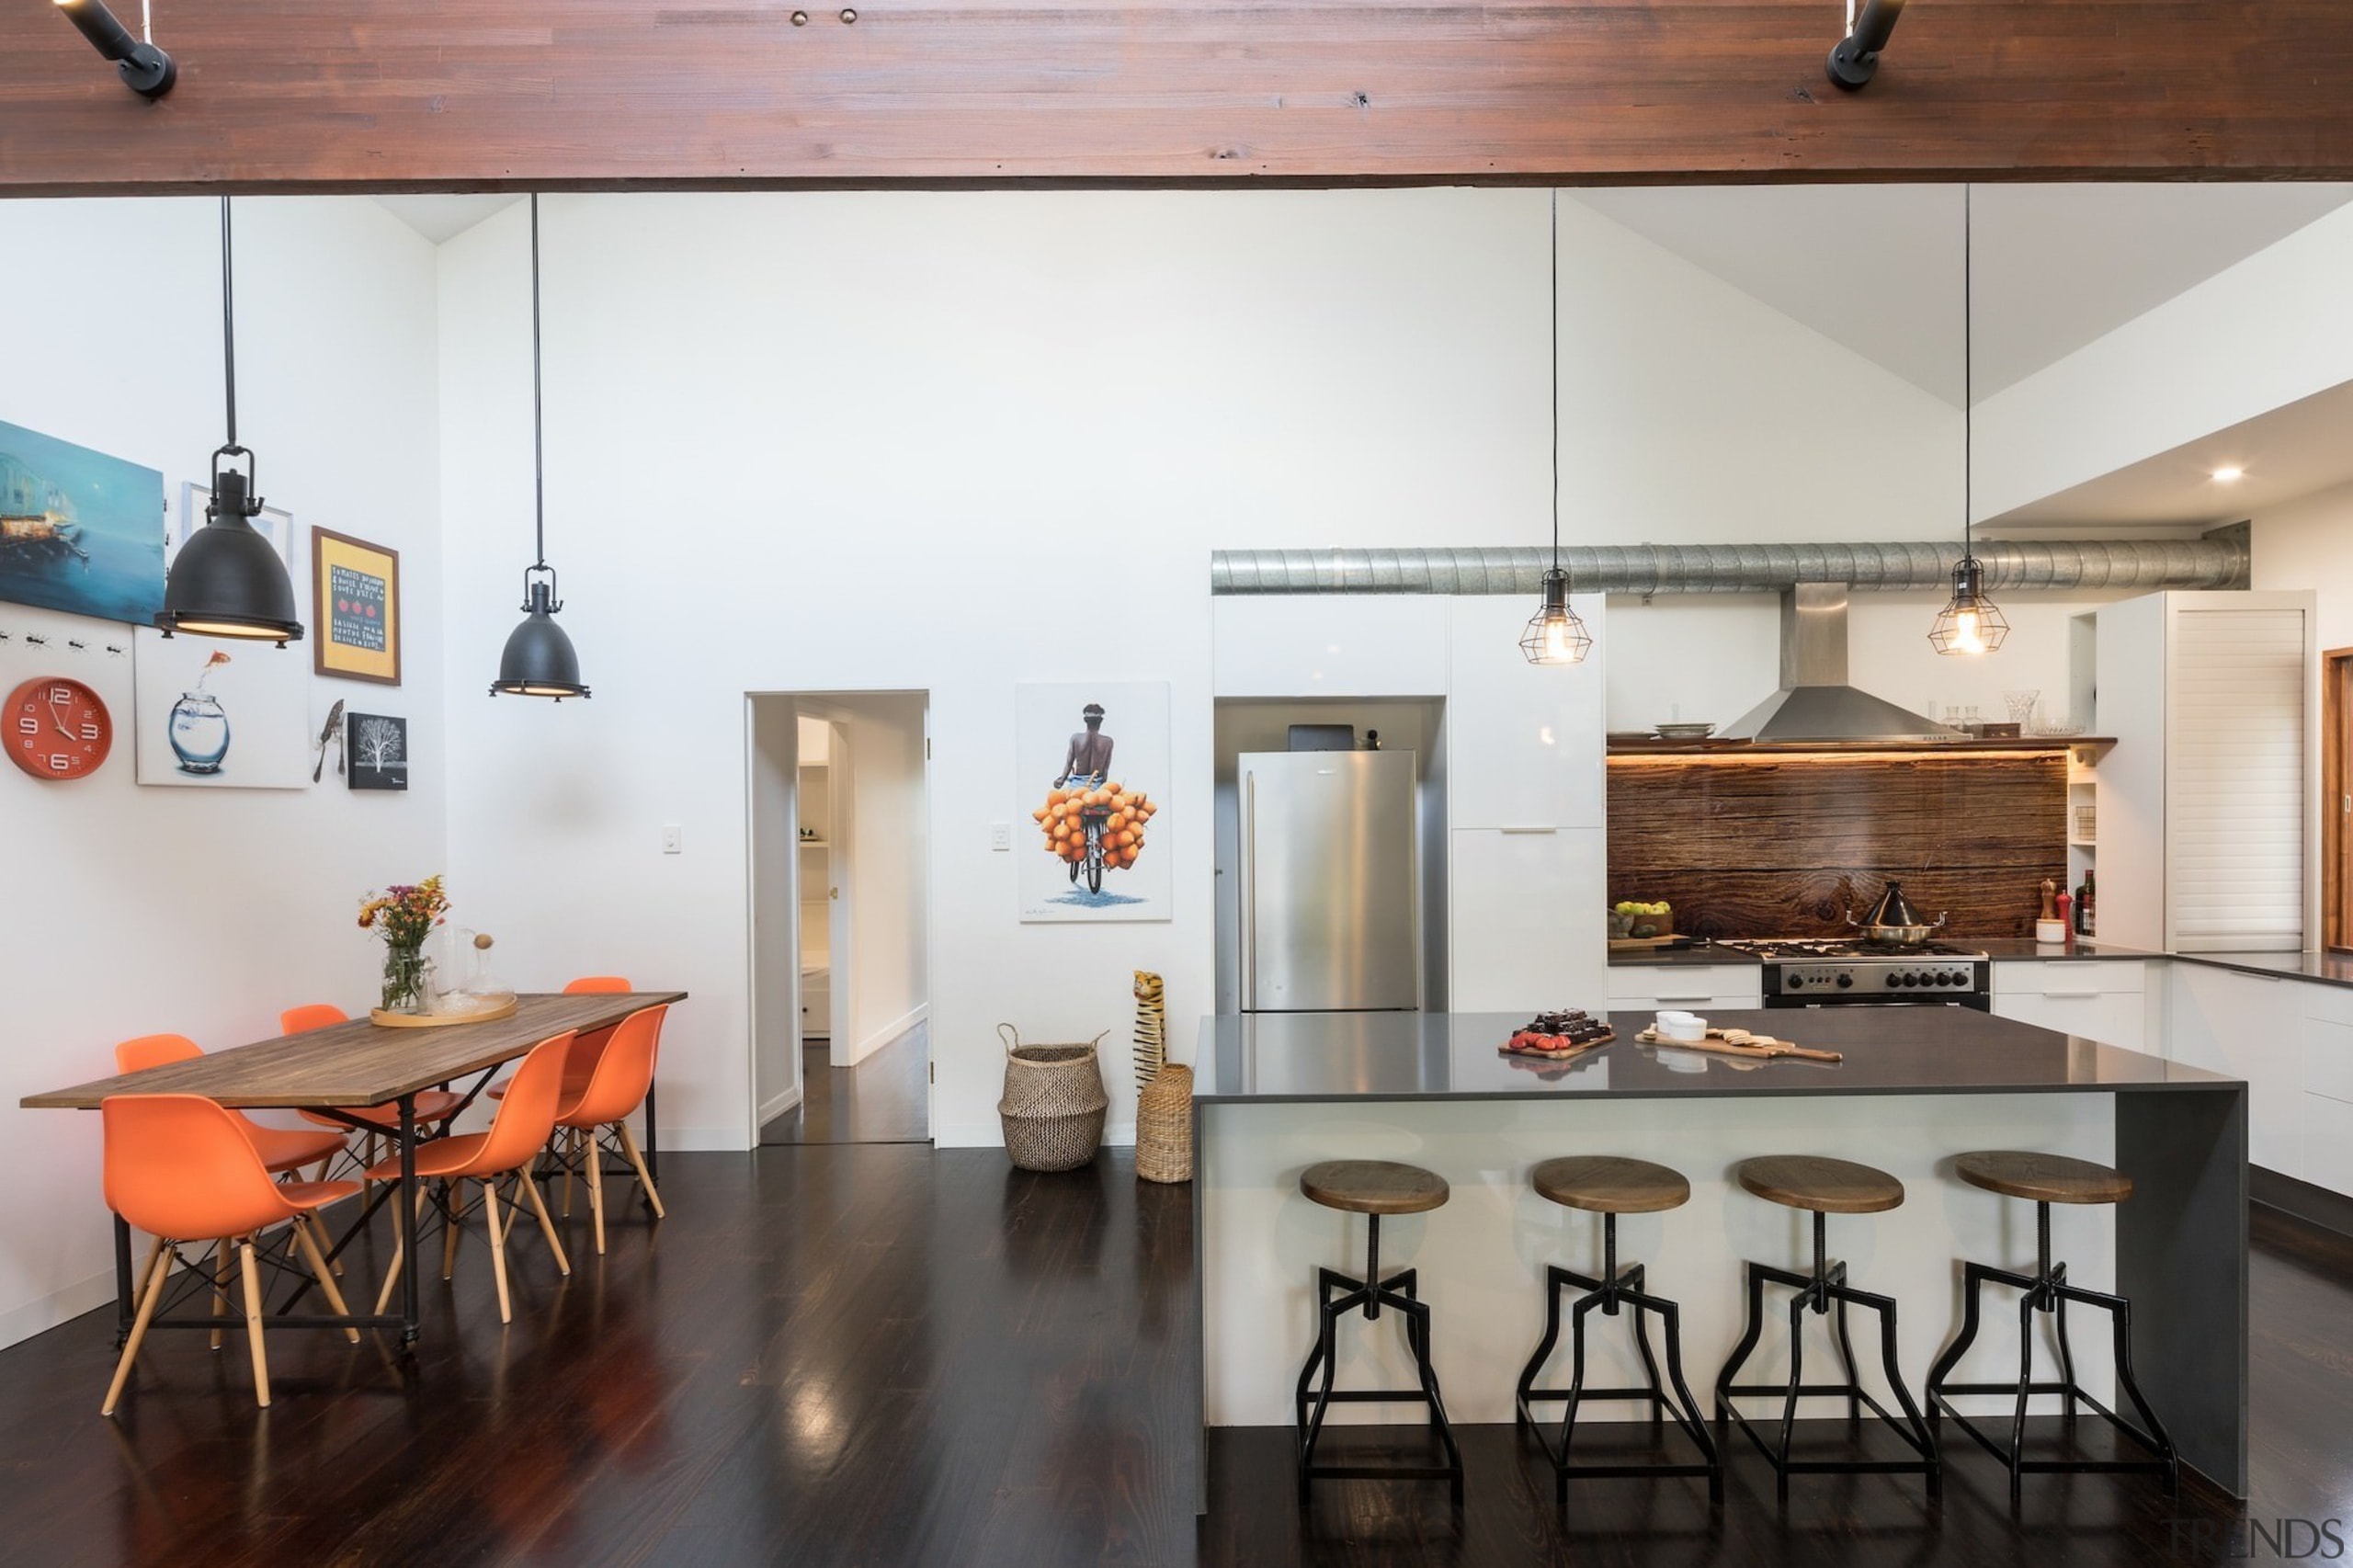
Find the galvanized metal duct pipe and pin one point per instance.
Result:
(2134, 566)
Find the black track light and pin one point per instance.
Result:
(1856, 60)
(146, 70)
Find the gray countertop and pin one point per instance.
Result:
(1327, 1057)
(2326, 969)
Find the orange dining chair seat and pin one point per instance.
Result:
(581, 1061)
(280, 1148)
(525, 1118)
(182, 1168)
(432, 1105)
(624, 1073)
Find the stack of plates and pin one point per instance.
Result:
(1686, 732)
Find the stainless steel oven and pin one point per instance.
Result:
(1831, 972)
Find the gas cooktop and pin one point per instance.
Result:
(1814, 971)
(1780, 947)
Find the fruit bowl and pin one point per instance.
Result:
(1635, 919)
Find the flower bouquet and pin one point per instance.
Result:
(403, 916)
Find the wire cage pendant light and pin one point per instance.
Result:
(1555, 634)
(227, 580)
(1970, 623)
(538, 659)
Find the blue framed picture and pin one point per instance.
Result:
(79, 531)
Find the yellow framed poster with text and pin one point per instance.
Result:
(355, 608)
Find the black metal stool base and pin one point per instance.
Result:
(1398, 1291)
(1619, 1288)
(1818, 1292)
(2047, 1290)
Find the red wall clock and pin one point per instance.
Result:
(56, 728)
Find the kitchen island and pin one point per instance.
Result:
(1917, 1085)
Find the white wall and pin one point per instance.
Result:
(957, 441)
(131, 911)
(2309, 544)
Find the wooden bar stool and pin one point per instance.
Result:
(1372, 1188)
(2046, 1179)
(1824, 1187)
(1609, 1186)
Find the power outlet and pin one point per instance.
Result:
(1001, 836)
(674, 838)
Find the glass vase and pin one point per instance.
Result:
(406, 968)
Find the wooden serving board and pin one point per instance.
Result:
(1507, 1048)
(382, 1019)
(1739, 1042)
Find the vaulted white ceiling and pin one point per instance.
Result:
(1877, 269)
(443, 216)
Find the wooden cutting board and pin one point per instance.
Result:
(1507, 1048)
(1739, 1042)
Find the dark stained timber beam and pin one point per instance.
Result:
(388, 95)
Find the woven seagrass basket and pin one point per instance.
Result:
(1053, 1104)
(1165, 1126)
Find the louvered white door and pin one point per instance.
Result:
(2237, 745)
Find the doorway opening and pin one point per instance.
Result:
(2336, 800)
(840, 916)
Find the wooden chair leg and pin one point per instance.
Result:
(319, 1234)
(159, 1266)
(596, 1185)
(453, 1196)
(220, 1285)
(547, 1226)
(628, 1147)
(497, 1246)
(318, 1262)
(392, 1275)
(253, 1320)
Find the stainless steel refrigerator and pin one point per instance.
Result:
(1330, 887)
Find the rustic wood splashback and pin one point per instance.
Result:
(1786, 846)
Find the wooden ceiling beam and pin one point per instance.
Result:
(391, 95)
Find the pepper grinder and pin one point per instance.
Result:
(2051, 927)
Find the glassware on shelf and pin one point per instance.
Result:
(2022, 705)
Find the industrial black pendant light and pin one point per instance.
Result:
(1970, 623)
(539, 660)
(1555, 635)
(227, 581)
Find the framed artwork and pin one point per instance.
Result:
(1092, 768)
(376, 745)
(355, 608)
(276, 526)
(78, 530)
(216, 714)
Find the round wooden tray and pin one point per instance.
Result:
(382, 1019)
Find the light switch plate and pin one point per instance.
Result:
(1001, 836)
(673, 838)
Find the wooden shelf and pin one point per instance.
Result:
(1855, 748)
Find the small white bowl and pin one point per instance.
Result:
(1685, 1027)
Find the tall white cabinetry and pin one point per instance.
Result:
(1528, 873)
(2208, 805)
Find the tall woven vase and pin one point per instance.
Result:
(1054, 1103)
(1164, 1092)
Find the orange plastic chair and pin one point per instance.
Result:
(432, 1105)
(182, 1168)
(525, 1118)
(589, 1046)
(618, 1087)
(282, 1149)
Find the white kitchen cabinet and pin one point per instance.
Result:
(2103, 1000)
(2208, 806)
(2325, 1053)
(1525, 742)
(2247, 1026)
(1643, 987)
(1527, 920)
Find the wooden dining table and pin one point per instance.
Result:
(360, 1063)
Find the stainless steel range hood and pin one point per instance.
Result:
(1815, 703)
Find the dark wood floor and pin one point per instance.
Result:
(885, 1099)
(896, 1355)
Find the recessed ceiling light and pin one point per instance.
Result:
(2229, 475)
